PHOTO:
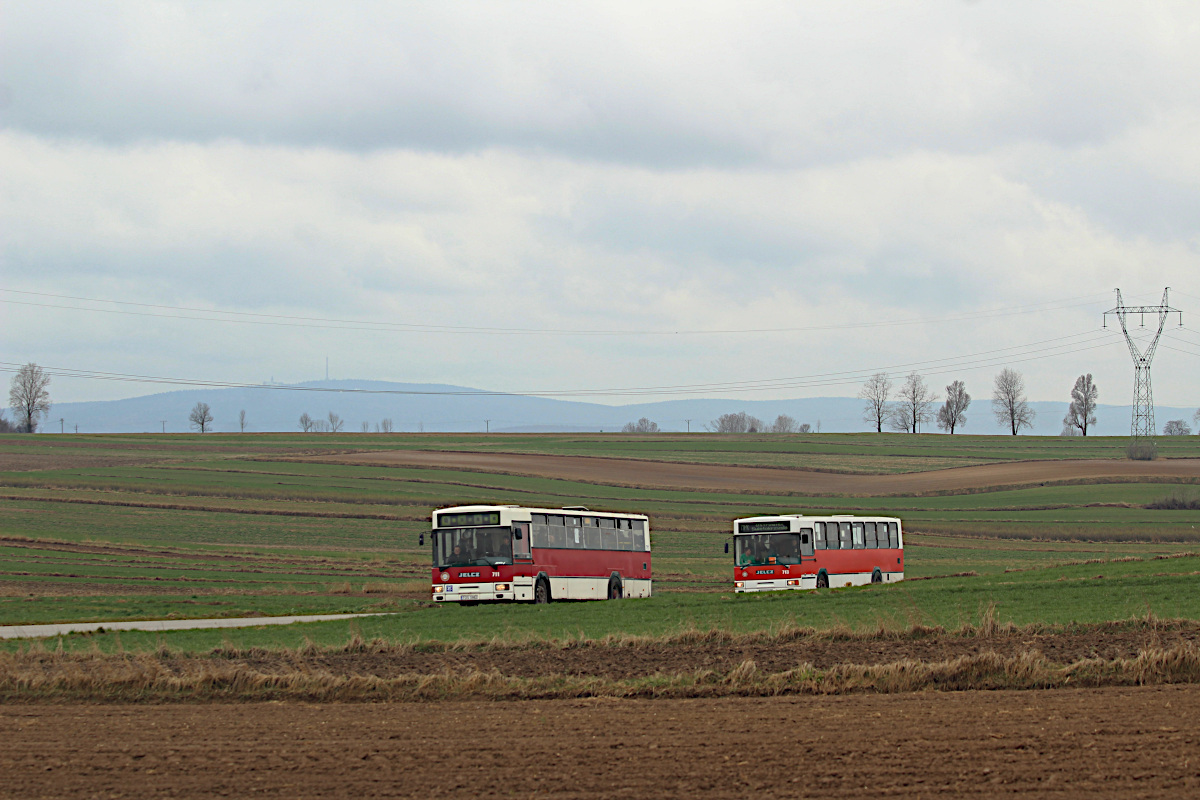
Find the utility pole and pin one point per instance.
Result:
(487, 426)
(1141, 430)
(689, 424)
(61, 425)
(164, 424)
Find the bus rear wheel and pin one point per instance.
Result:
(615, 590)
(822, 581)
(541, 592)
(876, 577)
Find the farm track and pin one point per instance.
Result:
(770, 480)
(1101, 743)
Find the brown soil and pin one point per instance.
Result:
(708, 477)
(1100, 743)
(639, 658)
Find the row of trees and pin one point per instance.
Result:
(335, 424)
(913, 406)
(742, 422)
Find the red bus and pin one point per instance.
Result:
(794, 551)
(498, 553)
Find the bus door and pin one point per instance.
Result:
(806, 543)
(521, 542)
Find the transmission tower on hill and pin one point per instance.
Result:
(1142, 428)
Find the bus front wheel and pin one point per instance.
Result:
(541, 592)
(615, 591)
(822, 581)
(876, 577)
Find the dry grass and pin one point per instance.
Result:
(1176, 501)
(159, 677)
(40, 675)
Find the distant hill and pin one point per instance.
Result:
(415, 407)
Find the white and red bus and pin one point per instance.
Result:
(794, 551)
(497, 553)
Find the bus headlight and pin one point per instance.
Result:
(739, 585)
(501, 587)
(793, 583)
(438, 589)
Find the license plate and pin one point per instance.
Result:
(468, 597)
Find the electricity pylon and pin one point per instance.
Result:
(1141, 430)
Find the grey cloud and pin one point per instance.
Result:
(661, 85)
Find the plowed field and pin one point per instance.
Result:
(668, 475)
(1105, 743)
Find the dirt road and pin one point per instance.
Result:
(1103, 743)
(668, 475)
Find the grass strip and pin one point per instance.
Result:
(147, 677)
(305, 673)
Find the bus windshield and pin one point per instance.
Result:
(472, 547)
(767, 548)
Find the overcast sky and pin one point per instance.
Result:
(624, 195)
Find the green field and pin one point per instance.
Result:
(150, 526)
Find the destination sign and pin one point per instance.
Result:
(776, 526)
(469, 519)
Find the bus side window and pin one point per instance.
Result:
(857, 529)
(591, 534)
(556, 533)
(608, 534)
(641, 540)
(539, 532)
(624, 535)
(869, 533)
(819, 536)
(893, 535)
(847, 542)
(806, 541)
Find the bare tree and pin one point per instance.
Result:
(1009, 403)
(804, 428)
(201, 417)
(386, 425)
(1196, 419)
(335, 423)
(1176, 427)
(29, 397)
(242, 420)
(1082, 411)
(643, 425)
(740, 422)
(913, 400)
(6, 426)
(784, 424)
(307, 423)
(320, 426)
(953, 413)
(366, 427)
(876, 391)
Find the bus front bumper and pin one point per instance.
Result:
(776, 584)
(473, 592)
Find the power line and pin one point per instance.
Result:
(329, 323)
(1035, 351)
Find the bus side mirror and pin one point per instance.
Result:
(516, 532)
(422, 542)
(727, 547)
